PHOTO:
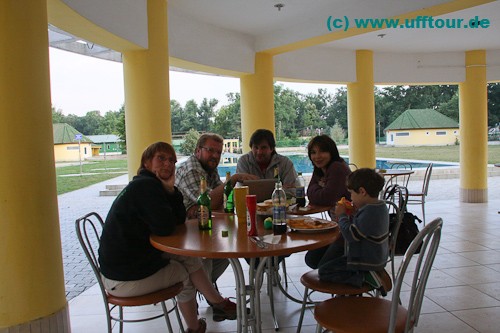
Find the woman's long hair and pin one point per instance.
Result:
(324, 143)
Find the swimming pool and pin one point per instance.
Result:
(304, 165)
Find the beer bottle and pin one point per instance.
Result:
(228, 195)
(204, 210)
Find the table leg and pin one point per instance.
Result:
(241, 296)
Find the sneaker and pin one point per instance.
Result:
(202, 327)
(372, 278)
(224, 310)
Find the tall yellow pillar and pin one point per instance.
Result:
(361, 112)
(473, 111)
(31, 271)
(257, 99)
(147, 95)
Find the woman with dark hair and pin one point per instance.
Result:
(328, 182)
(130, 265)
(327, 186)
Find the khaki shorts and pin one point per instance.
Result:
(178, 270)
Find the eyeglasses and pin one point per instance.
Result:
(165, 158)
(212, 150)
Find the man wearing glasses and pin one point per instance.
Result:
(203, 163)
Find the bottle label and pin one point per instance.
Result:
(299, 192)
(279, 214)
(203, 215)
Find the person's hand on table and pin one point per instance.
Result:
(240, 177)
(192, 212)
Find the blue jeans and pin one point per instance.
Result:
(336, 270)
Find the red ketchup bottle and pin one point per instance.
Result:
(251, 210)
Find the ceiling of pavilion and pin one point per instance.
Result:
(225, 34)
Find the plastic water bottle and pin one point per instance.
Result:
(300, 195)
(279, 209)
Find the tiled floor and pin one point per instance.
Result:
(463, 293)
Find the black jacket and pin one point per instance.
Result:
(141, 209)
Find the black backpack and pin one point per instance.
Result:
(408, 229)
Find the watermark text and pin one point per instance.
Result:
(419, 22)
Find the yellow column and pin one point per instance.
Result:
(257, 99)
(31, 272)
(473, 110)
(361, 112)
(147, 95)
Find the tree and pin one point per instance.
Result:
(493, 104)
(176, 114)
(338, 109)
(120, 126)
(286, 106)
(227, 120)
(206, 114)
(337, 133)
(189, 118)
(190, 140)
(57, 116)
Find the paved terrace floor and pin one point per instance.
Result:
(463, 294)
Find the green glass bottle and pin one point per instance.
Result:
(204, 210)
(228, 195)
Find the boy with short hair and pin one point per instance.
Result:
(366, 233)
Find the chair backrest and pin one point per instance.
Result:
(429, 236)
(89, 230)
(353, 166)
(427, 178)
(398, 195)
(401, 165)
(394, 224)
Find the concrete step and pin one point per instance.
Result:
(112, 190)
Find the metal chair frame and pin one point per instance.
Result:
(401, 319)
(404, 179)
(415, 198)
(88, 230)
(343, 289)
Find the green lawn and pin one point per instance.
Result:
(92, 172)
(438, 153)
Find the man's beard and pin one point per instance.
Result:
(207, 168)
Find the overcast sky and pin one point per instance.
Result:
(80, 84)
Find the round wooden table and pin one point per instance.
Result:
(188, 240)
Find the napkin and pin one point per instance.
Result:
(271, 239)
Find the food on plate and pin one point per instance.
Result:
(264, 206)
(308, 223)
(347, 204)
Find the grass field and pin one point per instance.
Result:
(99, 170)
(70, 179)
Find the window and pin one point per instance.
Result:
(455, 132)
(427, 133)
(441, 133)
(403, 134)
(72, 148)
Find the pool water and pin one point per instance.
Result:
(303, 164)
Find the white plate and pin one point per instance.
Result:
(328, 225)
